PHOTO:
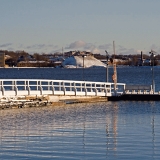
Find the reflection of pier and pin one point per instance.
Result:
(111, 123)
(153, 128)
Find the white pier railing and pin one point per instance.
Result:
(24, 87)
(139, 89)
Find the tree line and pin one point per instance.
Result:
(44, 60)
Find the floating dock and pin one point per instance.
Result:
(135, 97)
(137, 93)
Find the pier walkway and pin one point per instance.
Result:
(42, 92)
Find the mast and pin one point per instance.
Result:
(114, 77)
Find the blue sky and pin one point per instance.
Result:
(45, 26)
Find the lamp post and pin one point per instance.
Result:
(83, 67)
(152, 57)
(107, 58)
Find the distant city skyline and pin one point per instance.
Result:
(39, 26)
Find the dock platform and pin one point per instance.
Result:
(135, 97)
(137, 93)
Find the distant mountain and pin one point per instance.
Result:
(77, 62)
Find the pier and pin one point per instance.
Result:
(38, 92)
(26, 92)
(37, 87)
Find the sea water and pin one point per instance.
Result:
(100, 130)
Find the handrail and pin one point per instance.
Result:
(16, 87)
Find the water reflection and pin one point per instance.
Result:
(152, 124)
(111, 128)
(82, 131)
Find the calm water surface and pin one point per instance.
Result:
(102, 130)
